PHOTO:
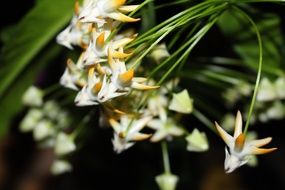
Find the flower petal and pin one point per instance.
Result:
(121, 17)
(228, 139)
(238, 125)
(260, 142)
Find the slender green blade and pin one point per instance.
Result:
(30, 35)
(10, 103)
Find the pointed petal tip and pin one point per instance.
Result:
(223, 134)
(258, 151)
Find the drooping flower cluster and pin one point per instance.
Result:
(101, 74)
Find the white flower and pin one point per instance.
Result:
(63, 119)
(280, 87)
(159, 53)
(121, 144)
(181, 102)
(238, 149)
(43, 129)
(33, 96)
(167, 181)
(88, 94)
(51, 109)
(97, 10)
(75, 34)
(73, 76)
(266, 91)
(60, 166)
(276, 111)
(31, 120)
(164, 129)
(156, 106)
(123, 78)
(127, 131)
(108, 91)
(64, 144)
(96, 92)
(197, 141)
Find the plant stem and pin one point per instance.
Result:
(165, 155)
(257, 82)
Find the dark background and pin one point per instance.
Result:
(25, 167)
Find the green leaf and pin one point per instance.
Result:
(148, 17)
(11, 102)
(30, 36)
(239, 30)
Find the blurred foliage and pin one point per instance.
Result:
(25, 52)
(29, 47)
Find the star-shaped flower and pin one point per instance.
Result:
(73, 76)
(88, 94)
(123, 78)
(98, 48)
(75, 34)
(238, 149)
(127, 131)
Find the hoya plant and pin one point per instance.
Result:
(144, 74)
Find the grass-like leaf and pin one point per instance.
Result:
(29, 37)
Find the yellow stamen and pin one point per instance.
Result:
(117, 3)
(126, 77)
(100, 40)
(122, 135)
(70, 65)
(76, 8)
(80, 84)
(91, 72)
(110, 59)
(99, 69)
(83, 45)
(97, 87)
(239, 143)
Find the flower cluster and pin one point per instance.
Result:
(108, 76)
(101, 75)
(48, 123)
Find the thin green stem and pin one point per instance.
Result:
(150, 48)
(197, 38)
(204, 120)
(165, 156)
(51, 88)
(82, 125)
(257, 82)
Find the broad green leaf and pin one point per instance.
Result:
(11, 102)
(30, 35)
